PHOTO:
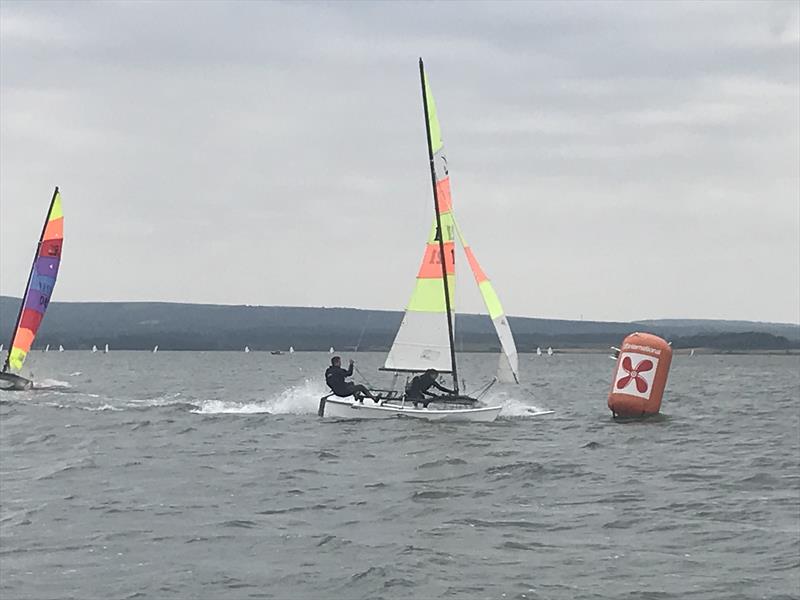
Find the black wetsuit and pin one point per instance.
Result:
(335, 378)
(417, 390)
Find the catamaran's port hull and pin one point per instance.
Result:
(343, 408)
(10, 382)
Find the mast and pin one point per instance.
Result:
(439, 230)
(28, 285)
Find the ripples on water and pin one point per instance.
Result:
(208, 475)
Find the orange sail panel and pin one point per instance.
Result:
(40, 286)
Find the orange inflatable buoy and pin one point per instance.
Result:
(640, 376)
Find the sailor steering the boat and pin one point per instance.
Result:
(335, 377)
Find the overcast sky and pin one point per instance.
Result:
(614, 161)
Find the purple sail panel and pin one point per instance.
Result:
(36, 300)
(43, 283)
(47, 266)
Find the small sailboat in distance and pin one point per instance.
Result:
(60, 348)
(549, 351)
(247, 349)
(155, 348)
(331, 351)
(35, 300)
(94, 348)
(291, 349)
(538, 351)
(47, 348)
(105, 349)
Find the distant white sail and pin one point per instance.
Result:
(105, 350)
(691, 352)
(60, 348)
(331, 350)
(155, 348)
(94, 348)
(47, 348)
(538, 351)
(247, 348)
(291, 349)
(549, 351)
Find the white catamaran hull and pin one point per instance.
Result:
(344, 408)
(12, 382)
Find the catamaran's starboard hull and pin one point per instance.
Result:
(10, 382)
(342, 408)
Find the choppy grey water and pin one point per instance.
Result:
(209, 475)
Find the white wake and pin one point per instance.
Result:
(302, 399)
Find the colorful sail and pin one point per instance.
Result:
(41, 281)
(423, 340)
(508, 367)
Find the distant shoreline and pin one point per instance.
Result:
(172, 326)
(682, 352)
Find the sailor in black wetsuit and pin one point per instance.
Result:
(417, 390)
(335, 378)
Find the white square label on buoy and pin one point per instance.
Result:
(635, 374)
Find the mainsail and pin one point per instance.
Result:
(41, 281)
(424, 340)
(508, 367)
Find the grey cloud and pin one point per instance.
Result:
(273, 153)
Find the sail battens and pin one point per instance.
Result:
(41, 281)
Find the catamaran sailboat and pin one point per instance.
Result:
(60, 348)
(425, 339)
(41, 281)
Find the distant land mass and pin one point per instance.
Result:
(174, 326)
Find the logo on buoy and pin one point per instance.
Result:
(634, 374)
(641, 375)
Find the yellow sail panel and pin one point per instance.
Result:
(448, 229)
(428, 295)
(16, 357)
(490, 299)
(56, 212)
(433, 120)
